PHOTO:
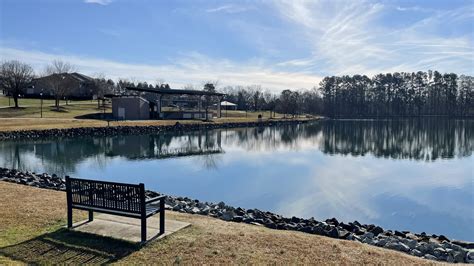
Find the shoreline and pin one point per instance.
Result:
(434, 247)
(140, 129)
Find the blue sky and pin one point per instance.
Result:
(275, 44)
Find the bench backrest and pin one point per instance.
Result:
(122, 197)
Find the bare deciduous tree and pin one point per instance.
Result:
(14, 77)
(102, 86)
(58, 79)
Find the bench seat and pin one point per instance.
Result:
(150, 210)
(113, 198)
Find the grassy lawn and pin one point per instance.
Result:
(31, 108)
(32, 232)
(4, 102)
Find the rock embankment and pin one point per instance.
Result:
(134, 130)
(434, 247)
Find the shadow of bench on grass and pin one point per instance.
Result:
(64, 246)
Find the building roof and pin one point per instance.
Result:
(77, 76)
(81, 77)
(226, 103)
(173, 91)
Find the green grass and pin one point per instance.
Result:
(6, 101)
(31, 108)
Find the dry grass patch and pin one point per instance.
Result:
(212, 241)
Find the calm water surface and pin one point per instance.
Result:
(415, 175)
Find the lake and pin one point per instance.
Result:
(413, 174)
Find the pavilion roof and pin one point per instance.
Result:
(176, 92)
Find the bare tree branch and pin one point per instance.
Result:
(14, 77)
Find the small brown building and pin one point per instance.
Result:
(130, 108)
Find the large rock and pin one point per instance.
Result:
(333, 221)
(349, 227)
(400, 234)
(381, 242)
(227, 216)
(464, 244)
(333, 232)
(376, 230)
(470, 256)
(440, 253)
(430, 257)
(410, 243)
(457, 256)
(368, 235)
(397, 246)
(416, 252)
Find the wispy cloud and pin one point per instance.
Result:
(190, 68)
(354, 37)
(414, 8)
(228, 9)
(99, 2)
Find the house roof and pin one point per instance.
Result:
(77, 76)
(82, 77)
(174, 91)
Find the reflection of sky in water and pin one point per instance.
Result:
(299, 179)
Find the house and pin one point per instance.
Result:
(75, 86)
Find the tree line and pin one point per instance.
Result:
(384, 95)
(398, 94)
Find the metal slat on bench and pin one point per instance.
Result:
(110, 195)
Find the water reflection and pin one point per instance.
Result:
(419, 139)
(416, 139)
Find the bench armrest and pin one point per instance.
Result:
(155, 199)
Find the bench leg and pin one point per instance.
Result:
(91, 216)
(162, 217)
(143, 230)
(69, 217)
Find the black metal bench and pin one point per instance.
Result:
(113, 198)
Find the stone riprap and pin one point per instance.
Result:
(136, 130)
(434, 247)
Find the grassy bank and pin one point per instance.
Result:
(31, 232)
(79, 114)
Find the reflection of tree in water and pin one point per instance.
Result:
(291, 137)
(55, 156)
(419, 139)
(209, 161)
(62, 156)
